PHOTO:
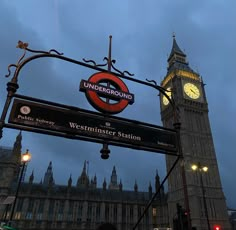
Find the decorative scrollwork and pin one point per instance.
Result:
(90, 61)
(24, 46)
(152, 81)
(120, 72)
(20, 45)
(9, 69)
(130, 74)
(107, 64)
(94, 63)
(44, 52)
(55, 51)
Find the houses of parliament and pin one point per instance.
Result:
(85, 206)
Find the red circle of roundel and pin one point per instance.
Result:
(97, 102)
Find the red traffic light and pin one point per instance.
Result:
(216, 227)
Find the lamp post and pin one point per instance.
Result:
(202, 169)
(25, 158)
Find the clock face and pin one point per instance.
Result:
(164, 98)
(191, 90)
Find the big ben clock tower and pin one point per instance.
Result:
(205, 196)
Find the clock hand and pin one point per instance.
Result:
(193, 91)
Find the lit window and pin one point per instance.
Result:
(154, 211)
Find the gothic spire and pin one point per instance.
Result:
(104, 185)
(177, 59)
(50, 166)
(150, 187)
(83, 180)
(48, 176)
(84, 168)
(95, 181)
(150, 190)
(31, 178)
(176, 50)
(157, 181)
(113, 183)
(120, 186)
(69, 181)
(135, 186)
(17, 147)
(114, 176)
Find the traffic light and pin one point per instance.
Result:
(217, 227)
(182, 221)
(185, 219)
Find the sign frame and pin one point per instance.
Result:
(97, 128)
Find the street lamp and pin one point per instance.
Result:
(25, 158)
(202, 169)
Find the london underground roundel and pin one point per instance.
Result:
(107, 93)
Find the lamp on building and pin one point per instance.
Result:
(202, 169)
(25, 158)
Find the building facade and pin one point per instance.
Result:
(46, 205)
(203, 191)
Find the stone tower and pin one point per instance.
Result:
(204, 190)
(9, 170)
(48, 176)
(83, 180)
(113, 183)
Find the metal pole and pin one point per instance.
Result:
(17, 191)
(157, 192)
(183, 175)
(204, 201)
(186, 198)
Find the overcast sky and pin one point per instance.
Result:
(142, 40)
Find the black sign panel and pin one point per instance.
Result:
(81, 123)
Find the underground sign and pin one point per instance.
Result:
(107, 93)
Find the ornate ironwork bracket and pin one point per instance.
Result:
(12, 87)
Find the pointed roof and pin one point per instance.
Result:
(135, 186)
(18, 139)
(175, 49)
(19, 136)
(83, 180)
(150, 185)
(157, 175)
(48, 176)
(31, 178)
(120, 186)
(69, 181)
(113, 176)
(104, 185)
(50, 166)
(84, 168)
(177, 59)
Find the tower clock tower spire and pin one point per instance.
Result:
(205, 195)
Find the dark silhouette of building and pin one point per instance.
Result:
(46, 205)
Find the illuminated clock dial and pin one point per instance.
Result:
(164, 99)
(191, 90)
